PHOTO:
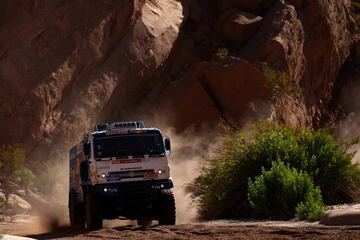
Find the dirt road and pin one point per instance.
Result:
(212, 230)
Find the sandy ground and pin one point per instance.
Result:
(221, 229)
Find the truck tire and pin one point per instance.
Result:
(144, 221)
(76, 212)
(93, 210)
(167, 211)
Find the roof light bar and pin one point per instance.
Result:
(118, 125)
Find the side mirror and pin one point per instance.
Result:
(167, 144)
(86, 148)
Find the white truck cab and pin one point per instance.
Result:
(121, 170)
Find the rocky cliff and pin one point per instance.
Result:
(66, 64)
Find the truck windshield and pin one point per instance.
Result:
(125, 145)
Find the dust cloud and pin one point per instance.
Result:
(188, 151)
(348, 127)
(51, 212)
(187, 156)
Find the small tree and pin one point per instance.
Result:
(282, 191)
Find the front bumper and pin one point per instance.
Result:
(126, 188)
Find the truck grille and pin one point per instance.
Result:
(132, 174)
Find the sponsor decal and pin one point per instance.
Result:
(151, 175)
(122, 161)
(131, 168)
(113, 178)
(104, 167)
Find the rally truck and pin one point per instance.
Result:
(121, 171)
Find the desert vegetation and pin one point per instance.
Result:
(221, 53)
(14, 168)
(280, 82)
(21, 186)
(277, 172)
(284, 192)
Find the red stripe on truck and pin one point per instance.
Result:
(122, 161)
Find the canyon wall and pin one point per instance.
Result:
(66, 64)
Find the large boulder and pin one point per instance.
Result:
(279, 42)
(37, 202)
(288, 41)
(11, 237)
(238, 26)
(2, 199)
(17, 205)
(341, 217)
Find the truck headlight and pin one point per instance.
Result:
(103, 175)
(160, 171)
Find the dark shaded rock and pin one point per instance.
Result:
(253, 6)
(238, 26)
(341, 217)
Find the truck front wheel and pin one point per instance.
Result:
(167, 211)
(93, 212)
(76, 212)
(144, 221)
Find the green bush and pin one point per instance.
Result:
(25, 177)
(11, 158)
(312, 208)
(280, 82)
(282, 191)
(330, 167)
(221, 189)
(13, 166)
(221, 53)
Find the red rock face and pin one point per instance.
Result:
(62, 62)
(230, 91)
(66, 64)
(288, 40)
(237, 87)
